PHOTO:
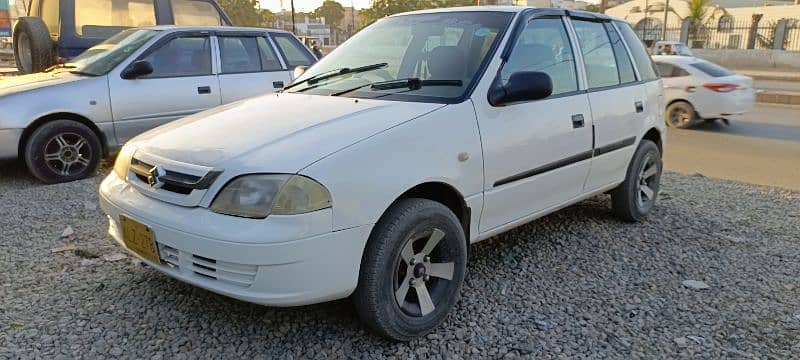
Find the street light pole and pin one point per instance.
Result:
(664, 25)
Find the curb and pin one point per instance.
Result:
(778, 97)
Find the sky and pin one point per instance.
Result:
(308, 5)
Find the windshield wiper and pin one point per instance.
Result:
(334, 73)
(60, 66)
(408, 83)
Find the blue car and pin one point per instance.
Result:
(57, 30)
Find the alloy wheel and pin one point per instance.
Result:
(67, 154)
(647, 182)
(422, 274)
(680, 116)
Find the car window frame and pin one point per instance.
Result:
(586, 72)
(169, 37)
(273, 34)
(611, 29)
(256, 36)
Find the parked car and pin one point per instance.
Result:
(58, 30)
(697, 90)
(370, 175)
(670, 48)
(61, 122)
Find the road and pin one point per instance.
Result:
(761, 147)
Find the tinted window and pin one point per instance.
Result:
(647, 71)
(598, 56)
(239, 55)
(669, 70)
(711, 69)
(544, 46)
(50, 9)
(92, 17)
(196, 13)
(624, 65)
(184, 56)
(269, 61)
(295, 53)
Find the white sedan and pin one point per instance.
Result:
(695, 89)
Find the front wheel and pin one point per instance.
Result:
(635, 197)
(412, 269)
(61, 151)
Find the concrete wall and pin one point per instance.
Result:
(752, 59)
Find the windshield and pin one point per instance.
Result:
(437, 46)
(103, 57)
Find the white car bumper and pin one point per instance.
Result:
(720, 105)
(309, 268)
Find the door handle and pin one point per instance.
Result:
(204, 90)
(277, 84)
(639, 106)
(577, 121)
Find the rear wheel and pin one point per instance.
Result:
(33, 49)
(412, 269)
(635, 197)
(61, 151)
(680, 114)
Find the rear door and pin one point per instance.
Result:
(182, 83)
(249, 66)
(617, 101)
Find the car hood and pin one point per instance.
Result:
(18, 84)
(276, 132)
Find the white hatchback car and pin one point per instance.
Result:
(371, 174)
(697, 90)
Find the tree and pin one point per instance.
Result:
(268, 18)
(593, 8)
(242, 12)
(333, 12)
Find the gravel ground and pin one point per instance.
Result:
(574, 284)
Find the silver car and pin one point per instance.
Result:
(63, 121)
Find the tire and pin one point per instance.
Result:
(62, 151)
(34, 51)
(630, 201)
(680, 115)
(407, 228)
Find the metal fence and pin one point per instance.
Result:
(726, 33)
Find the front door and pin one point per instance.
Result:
(537, 153)
(182, 83)
(249, 67)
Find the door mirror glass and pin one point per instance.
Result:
(522, 86)
(138, 69)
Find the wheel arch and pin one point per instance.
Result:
(444, 194)
(26, 134)
(654, 135)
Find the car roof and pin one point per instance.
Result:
(677, 59)
(503, 8)
(210, 28)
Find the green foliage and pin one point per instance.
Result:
(242, 12)
(593, 8)
(383, 8)
(698, 9)
(332, 11)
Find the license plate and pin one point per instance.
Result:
(139, 239)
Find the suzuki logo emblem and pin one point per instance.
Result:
(153, 175)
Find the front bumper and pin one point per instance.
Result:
(305, 270)
(9, 143)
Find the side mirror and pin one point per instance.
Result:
(299, 70)
(522, 86)
(137, 69)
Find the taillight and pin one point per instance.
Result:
(723, 88)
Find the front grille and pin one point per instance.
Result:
(240, 275)
(168, 180)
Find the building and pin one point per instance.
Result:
(307, 29)
(350, 21)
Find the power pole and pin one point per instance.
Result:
(294, 30)
(664, 25)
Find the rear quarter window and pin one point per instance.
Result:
(710, 69)
(647, 71)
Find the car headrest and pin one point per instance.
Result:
(447, 63)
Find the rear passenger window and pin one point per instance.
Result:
(269, 60)
(626, 73)
(712, 70)
(544, 46)
(239, 55)
(598, 55)
(295, 53)
(643, 63)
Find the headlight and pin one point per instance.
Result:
(257, 196)
(123, 161)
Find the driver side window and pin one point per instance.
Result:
(182, 56)
(544, 46)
